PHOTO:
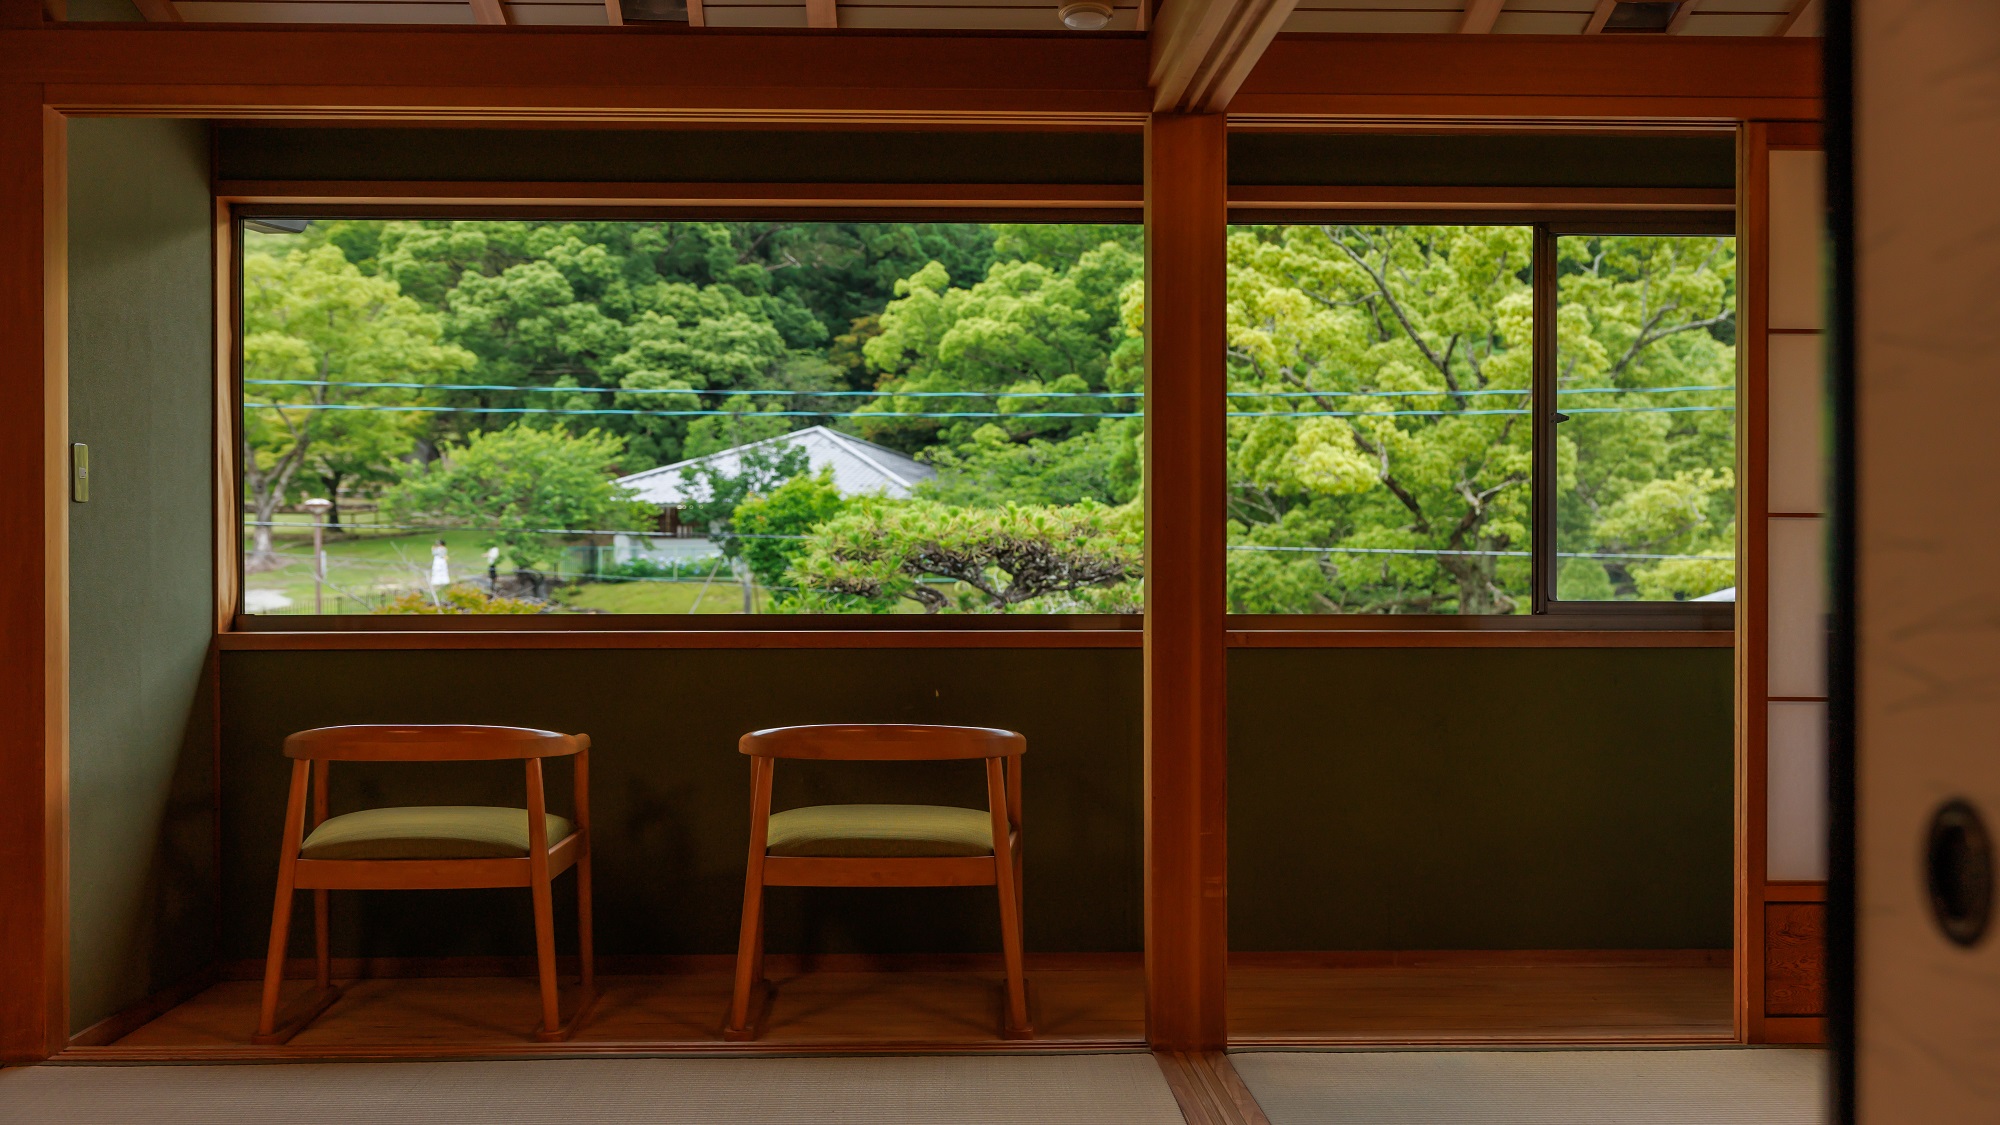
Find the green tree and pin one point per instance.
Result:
(1026, 329)
(530, 489)
(1648, 467)
(772, 529)
(1382, 376)
(971, 559)
(1380, 452)
(311, 319)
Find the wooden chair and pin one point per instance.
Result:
(882, 845)
(429, 847)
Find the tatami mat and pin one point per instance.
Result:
(1639, 1087)
(929, 1090)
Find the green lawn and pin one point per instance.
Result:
(362, 573)
(365, 572)
(724, 595)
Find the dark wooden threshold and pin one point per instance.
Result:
(1209, 1090)
(119, 1024)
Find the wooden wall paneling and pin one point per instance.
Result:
(34, 583)
(1794, 959)
(1186, 905)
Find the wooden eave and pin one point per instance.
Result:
(476, 74)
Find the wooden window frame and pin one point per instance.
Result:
(1551, 625)
(1718, 616)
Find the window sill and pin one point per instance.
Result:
(290, 633)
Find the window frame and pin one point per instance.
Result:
(1542, 399)
(1550, 624)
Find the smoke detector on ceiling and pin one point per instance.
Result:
(1084, 15)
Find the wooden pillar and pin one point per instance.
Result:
(1187, 910)
(34, 568)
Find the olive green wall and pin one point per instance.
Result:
(1431, 798)
(670, 794)
(1480, 798)
(142, 870)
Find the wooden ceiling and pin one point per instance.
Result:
(1500, 17)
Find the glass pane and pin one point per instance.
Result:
(1379, 429)
(691, 417)
(1646, 458)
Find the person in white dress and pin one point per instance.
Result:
(440, 566)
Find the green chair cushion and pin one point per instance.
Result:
(427, 832)
(853, 831)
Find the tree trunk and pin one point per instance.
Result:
(332, 484)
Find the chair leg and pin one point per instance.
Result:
(586, 946)
(545, 957)
(1016, 1024)
(742, 1022)
(322, 942)
(274, 960)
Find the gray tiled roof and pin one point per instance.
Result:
(859, 467)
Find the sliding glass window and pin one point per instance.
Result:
(528, 416)
(1644, 419)
(1478, 420)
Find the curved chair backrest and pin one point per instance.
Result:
(441, 742)
(882, 742)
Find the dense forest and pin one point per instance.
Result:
(500, 375)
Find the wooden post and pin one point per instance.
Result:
(34, 570)
(1187, 915)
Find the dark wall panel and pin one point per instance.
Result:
(142, 870)
(697, 156)
(1480, 799)
(1380, 798)
(1530, 160)
(1482, 160)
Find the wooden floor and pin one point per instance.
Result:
(1078, 1008)
(1460, 1003)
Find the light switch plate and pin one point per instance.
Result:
(79, 472)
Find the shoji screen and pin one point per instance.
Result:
(1781, 609)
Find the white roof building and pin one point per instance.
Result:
(859, 467)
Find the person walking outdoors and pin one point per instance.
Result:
(440, 566)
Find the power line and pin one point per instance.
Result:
(1480, 554)
(728, 393)
(894, 414)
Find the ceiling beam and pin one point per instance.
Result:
(1803, 19)
(489, 11)
(1202, 50)
(822, 13)
(1595, 23)
(1480, 16)
(1681, 15)
(158, 11)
